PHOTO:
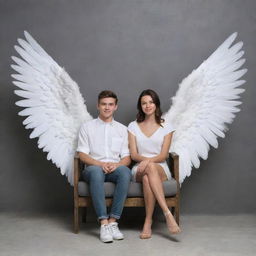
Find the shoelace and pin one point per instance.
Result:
(106, 228)
(114, 228)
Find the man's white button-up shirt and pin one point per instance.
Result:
(106, 142)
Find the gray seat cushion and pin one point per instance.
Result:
(135, 189)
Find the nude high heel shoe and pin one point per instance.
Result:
(144, 235)
(171, 223)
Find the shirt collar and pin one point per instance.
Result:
(102, 122)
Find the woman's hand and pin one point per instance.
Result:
(142, 166)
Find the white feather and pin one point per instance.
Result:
(52, 102)
(205, 102)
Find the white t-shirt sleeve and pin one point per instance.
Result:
(131, 128)
(83, 140)
(168, 128)
(125, 149)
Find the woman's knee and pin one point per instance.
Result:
(145, 179)
(151, 167)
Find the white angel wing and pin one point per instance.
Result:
(53, 103)
(204, 102)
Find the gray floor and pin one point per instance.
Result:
(24, 234)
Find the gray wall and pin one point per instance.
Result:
(128, 46)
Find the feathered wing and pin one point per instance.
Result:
(205, 102)
(52, 102)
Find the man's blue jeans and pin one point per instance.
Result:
(95, 176)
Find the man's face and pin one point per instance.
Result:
(107, 107)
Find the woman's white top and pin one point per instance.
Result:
(150, 146)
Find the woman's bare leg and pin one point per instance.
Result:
(156, 176)
(150, 201)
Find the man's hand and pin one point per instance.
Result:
(113, 166)
(105, 167)
(109, 167)
(142, 166)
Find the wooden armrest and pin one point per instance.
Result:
(174, 162)
(78, 167)
(173, 155)
(76, 170)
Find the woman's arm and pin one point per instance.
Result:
(133, 149)
(143, 161)
(165, 150)
(156, 159)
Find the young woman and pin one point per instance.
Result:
(149, 141)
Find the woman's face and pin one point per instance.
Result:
(147, 105)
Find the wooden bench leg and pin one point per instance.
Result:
(84, 214)
(76, 220)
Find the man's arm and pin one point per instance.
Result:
(107, 167)
(85, 158)
(125, 152)
(124, 161)
(84, 149)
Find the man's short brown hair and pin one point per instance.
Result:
(107, 94)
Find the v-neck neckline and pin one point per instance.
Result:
(148, 137)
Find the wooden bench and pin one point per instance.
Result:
(135, 194)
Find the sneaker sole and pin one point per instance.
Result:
(107, 241)
(119, 238)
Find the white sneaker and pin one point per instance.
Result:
(116, 234)
(105, 234)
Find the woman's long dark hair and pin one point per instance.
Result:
(156, 100)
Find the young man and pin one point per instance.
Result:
(103, 147)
